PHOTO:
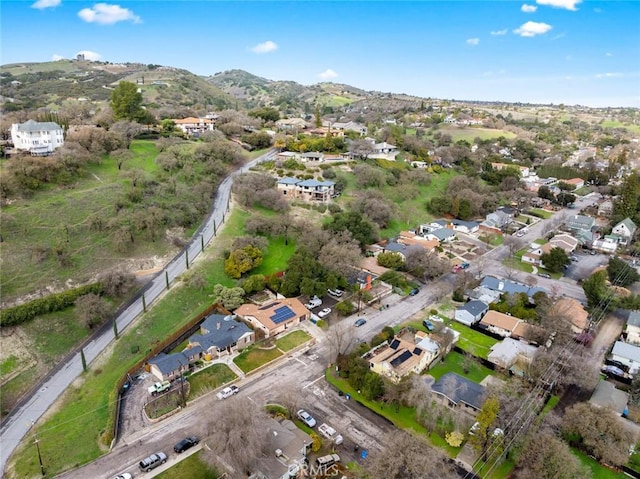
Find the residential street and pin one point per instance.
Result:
(287, 375)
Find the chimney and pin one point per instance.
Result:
(218, 325)
(500, 285)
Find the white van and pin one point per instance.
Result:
(328, 460)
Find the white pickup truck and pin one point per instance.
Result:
(227, 392)
(330, 433)
(159, 387)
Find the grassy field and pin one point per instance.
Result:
(59, 217)
(473, 341)
(190, 468)
(618, 124)
(253, 357)
(85, 408)
(413, 210)
(544, 214)
(276, 256)
(598, 471)
(470, 133)
(291, 340)
(209, 379)
(454, 363)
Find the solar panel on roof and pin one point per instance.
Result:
(401, 359)
(394, 344)
(282, 314)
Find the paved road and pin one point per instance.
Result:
(18, 424)
(165, 434)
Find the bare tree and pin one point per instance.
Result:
(513, 244)
(236, 431)
(92, 310)
(340, 254)
(117, 282)
(545, 456)
(407, 457)
(341, 337)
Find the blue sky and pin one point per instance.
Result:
(549, 51)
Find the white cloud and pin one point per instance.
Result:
(42, 4)
(499, 32)
(566, 4)
(531, 29)
(528, 8)
(89, 55)
(106, 14)
(55, 57)
(265, 47)
(473, 41)
(328, 74)
(609, 75)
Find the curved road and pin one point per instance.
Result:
(20, 421)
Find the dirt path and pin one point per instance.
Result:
(609, 331)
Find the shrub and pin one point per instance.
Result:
(345, 308)
(433, 312)
(334, 208)
(49, 304)
(454, 439)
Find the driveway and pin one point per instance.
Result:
(585, 265)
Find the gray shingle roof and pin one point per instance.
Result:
(459, 390)
(475, 307)
(507, 286)
(634, 318)
(626, 350)
(631, 226)
(32, 126)
(288, 181)
(219, 331)
(443, 233)
(168, 363)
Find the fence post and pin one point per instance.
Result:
(115, 328)
(166, 278)
(144, 303)
(202, 243)
(214, 228)
(186, 256)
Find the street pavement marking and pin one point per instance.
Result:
(313, 382)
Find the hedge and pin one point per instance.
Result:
(55, 302)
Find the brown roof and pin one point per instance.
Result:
(500, 320)
(573, 311)
(410, 239)
(265, 312)
(191, 120)
(574, 181)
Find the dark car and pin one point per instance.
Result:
(414, 291)
(360, 322)
(186, 443)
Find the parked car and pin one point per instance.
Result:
(185, 444)
(159, 387)
(574, 258)
(544, 275)
(428, 324)
(593, 253)
(227, 392)
(414, 291)
(124, 475)
(306, 418)
(314, 302)
(328, 460)
(335, 292)
(153, 461)
(324, 312)
(360, 322)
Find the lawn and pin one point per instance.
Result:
(473, 341)
(253, 357)
(276, 256)
(190, 468)
(291, 340)
(454, 362)
(208, 379)
(402, 417)
(544, 214)
(86, 410)
(414, 207)
(598, 471)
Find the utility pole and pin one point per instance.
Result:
(37, 444)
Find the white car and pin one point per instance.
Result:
(324, 312)
(313, 303)
(335, 292)
(306, 418)
(124, 475)
(227, 392)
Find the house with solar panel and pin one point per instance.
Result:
(274, 317)
(404, 354)
(221, 335)
(306, 190)
(458, 392)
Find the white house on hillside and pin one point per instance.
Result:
(625, 230)
(38, 138)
